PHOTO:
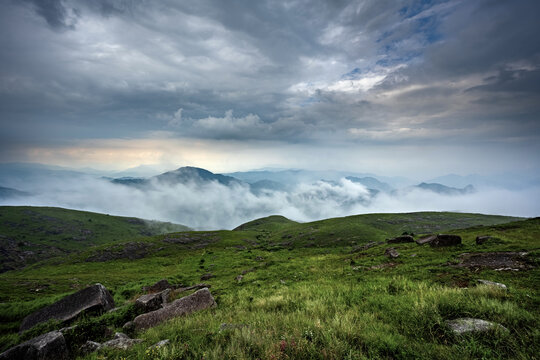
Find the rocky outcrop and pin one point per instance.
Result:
(95, 298)
(400, 239)
(445, 240)
(470, 325)
(151, 302)
(50, 346)
(199, 300)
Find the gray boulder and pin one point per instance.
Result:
(49, 346)
(400, 239)
(93, 298)
(151, 302)
(391, 253)
(199, 300)
(470, 325)
(445, 240)
(492, 283)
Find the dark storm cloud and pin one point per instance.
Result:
(298, 71)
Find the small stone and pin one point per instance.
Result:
(470, 325)
(160, 344)
(493, 283)
(207, 276)
(391, 253)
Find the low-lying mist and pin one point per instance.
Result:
(211, 205)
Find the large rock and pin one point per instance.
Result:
(400, 239)
(470, 325)
(199, 300)
(50, 346)
(445, 240)
(93, 298)
(151, 302)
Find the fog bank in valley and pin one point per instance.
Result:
(211, 205)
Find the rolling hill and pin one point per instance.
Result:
(304, 290)
(30, 234)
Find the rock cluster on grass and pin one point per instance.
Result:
(470, 325)
(94, 298)
(52, 345)
(199, 300)
(49, 346)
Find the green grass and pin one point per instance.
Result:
(49, 232)
(305, 295)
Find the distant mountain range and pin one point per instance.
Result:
(446, 190)
(18, 180)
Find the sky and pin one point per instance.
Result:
(389, 87)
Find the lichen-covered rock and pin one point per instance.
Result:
(93, 298)
(49, 346)
(199, 300)
(470, 325)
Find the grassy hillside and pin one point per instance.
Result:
(29, 234)
(307, 291)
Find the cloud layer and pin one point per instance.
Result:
(462, 74)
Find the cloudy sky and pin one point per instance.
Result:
(390, 87)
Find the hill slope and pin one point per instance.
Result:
(300, 298)
(29, 234)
